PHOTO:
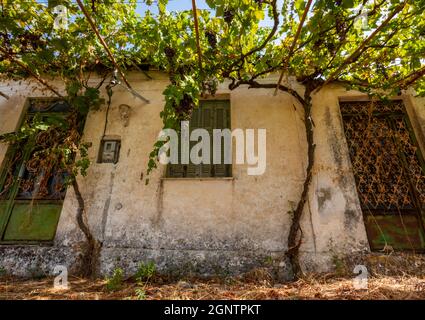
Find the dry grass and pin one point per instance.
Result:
(392, 276)
(318, 287)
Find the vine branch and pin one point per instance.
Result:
(108, 51)
(411, 78)
(266, 41)
(89, 256)
(294, 42)
(255, 84)
(4, 95)
(363, 45)
(294, 241)
(198, 45)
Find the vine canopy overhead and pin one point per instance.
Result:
(373, 45)
(376, 44)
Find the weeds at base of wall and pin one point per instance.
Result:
(339, 266)
(143, 275)
(3, 272)
(140, 294)
(259, 283)
(147, 274)
(115, 282)
(145, 271)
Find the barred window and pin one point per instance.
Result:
(389, 171)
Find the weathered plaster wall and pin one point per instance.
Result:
(336, 221)
(416, 109)
(207, 225)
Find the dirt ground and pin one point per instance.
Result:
(391, 276)
(323, 287)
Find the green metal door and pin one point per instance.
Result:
(32, 222)
(29, 209)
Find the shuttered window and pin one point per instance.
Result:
(211, 114)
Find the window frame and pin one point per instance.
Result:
(408, 116)
(228, 168)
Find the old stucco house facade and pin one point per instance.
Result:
(222, 224)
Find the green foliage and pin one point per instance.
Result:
(339, 265)
(83, 99)
(234, 45)
(115, 282)
(328, 35)
(61, 139)
(3, 272)
(269, 260)
(145, 271)
(140, 294)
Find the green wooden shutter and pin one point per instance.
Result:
(222, 121)
(194, 170)
(176, 170)
(211, 114)
(208, 124)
